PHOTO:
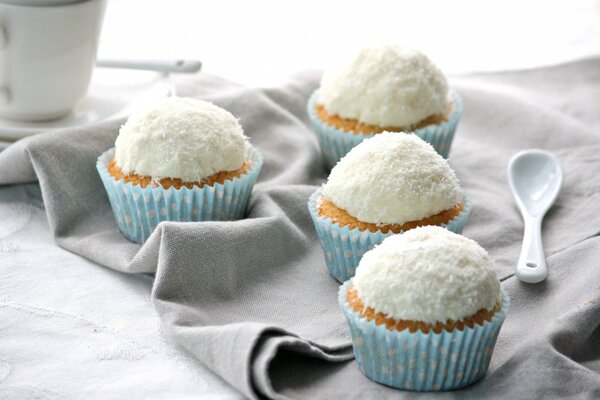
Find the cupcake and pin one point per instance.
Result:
(386, 185)
(179, 159)
(424, 310)
(385, 88)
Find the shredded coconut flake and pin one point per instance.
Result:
(427, 274)
(385, 86)
(180, 138)
(393, 178)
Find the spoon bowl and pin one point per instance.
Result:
(535, 178)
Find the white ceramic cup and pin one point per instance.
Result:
(47, 55)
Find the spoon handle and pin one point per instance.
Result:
(181, 66)
(531, 267)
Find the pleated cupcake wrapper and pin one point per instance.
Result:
(336, 143)
(139, 210)
(419, 361)
(343, 247)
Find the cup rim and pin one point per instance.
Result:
(39, 4)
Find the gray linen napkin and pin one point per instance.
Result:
(252, 299)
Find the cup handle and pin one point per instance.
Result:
(3, 37)
(5, 95)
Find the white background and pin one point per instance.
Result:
(261, 42)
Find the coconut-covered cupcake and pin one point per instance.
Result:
(384, 88)
(424, 310)
(180, 159)
(387, 184)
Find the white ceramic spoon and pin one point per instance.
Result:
(535, 178)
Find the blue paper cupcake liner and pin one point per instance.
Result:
(335, 143)
(343, 247)
(139, 210)
(422, 361)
